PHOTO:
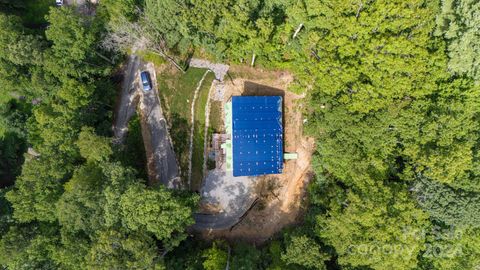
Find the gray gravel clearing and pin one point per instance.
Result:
(232, 194)
(220, 70)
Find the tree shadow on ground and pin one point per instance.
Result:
(179, 132)
(255, 89)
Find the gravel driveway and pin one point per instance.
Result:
(161, 158)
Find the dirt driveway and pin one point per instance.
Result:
(161, 160)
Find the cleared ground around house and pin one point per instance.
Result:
(227, 203)
(278, 197)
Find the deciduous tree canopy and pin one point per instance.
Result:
(391, 97)
(459, 23)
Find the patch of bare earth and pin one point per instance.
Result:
(280, 197)
(209, 208)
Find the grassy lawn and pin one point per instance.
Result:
(149, 56)
(198, 136)
(176, 91)
(216, 120)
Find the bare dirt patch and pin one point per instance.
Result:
(209, 208)
(277, 79)
(279, 196)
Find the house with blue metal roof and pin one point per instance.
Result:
(256, 128)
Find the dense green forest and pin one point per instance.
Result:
(393, 102)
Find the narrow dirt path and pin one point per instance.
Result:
(192, 128)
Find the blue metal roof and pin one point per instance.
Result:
(257, 133)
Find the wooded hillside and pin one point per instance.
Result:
(392, 101)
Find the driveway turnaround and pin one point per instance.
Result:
(232, 194)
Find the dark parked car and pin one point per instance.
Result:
(146, 81)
